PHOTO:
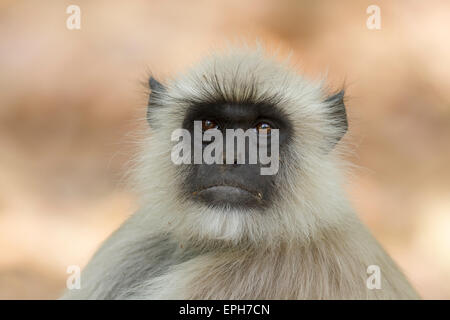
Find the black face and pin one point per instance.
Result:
(233, 185)
(238, 185)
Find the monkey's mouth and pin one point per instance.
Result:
(224, 194)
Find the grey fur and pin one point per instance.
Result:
(308, 245)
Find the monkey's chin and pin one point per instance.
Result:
(225, 196)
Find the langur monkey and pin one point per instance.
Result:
(225, 231)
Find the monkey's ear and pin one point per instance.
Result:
(338, 115)
(156, 90)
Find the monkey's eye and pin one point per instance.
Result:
(209, 124)
(263, 126)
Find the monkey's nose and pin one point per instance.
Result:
(234, 160)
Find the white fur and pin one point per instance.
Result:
(308, 245)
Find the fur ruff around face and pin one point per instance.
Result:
(308, 182)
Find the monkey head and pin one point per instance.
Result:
(228, 196)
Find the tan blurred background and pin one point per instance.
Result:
(70, 101)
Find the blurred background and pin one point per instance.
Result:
(72, 100)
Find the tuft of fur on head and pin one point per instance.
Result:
(311, 200)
